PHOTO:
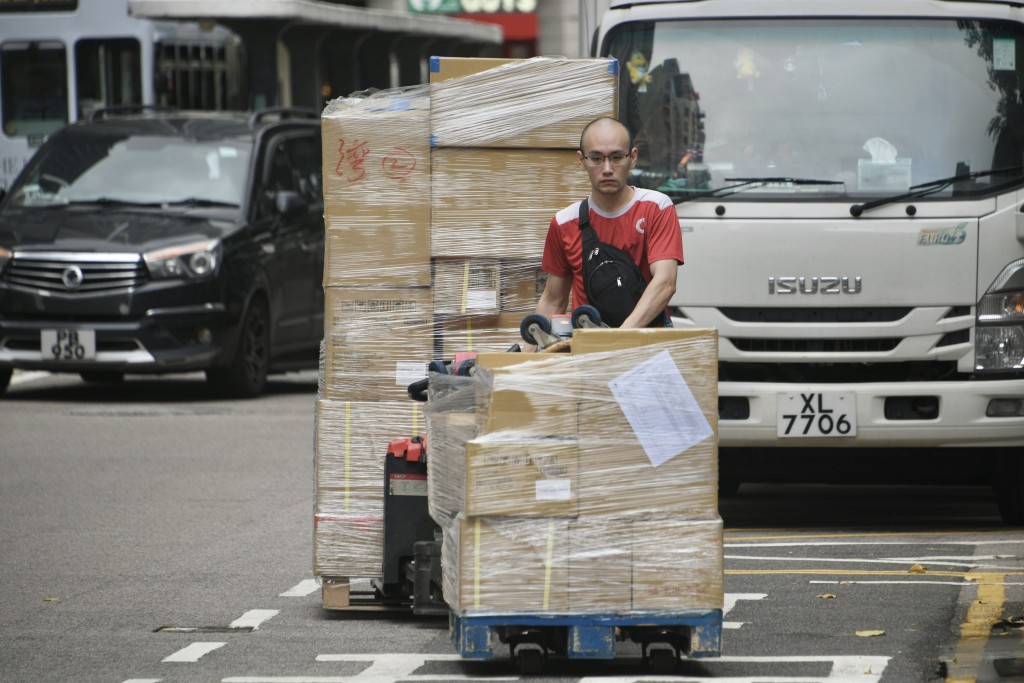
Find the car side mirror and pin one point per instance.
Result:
(290, 203)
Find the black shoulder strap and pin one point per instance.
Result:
(584, 214)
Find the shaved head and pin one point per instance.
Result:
(606, 122)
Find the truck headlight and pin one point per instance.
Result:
(195, 260)
(999, 335)
(999, 348)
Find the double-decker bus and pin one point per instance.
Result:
(60, 60)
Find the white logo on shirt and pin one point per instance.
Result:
(640, 225)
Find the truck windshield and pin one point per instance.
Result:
(879, 105)
(138, 169)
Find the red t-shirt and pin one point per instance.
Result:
(647, 229)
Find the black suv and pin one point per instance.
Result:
(152, 241)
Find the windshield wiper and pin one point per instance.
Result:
(107, 201)
(199, 201)
(742, 183)
(930, 187)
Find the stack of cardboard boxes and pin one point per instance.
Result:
(583, 482)
(437, 200)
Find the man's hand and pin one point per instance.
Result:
(553, 301)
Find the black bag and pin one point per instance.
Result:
(613, 282)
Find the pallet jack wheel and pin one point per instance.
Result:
(662, 661)
(586, 316)
(529, 660)
(529, 321)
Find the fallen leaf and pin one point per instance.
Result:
(51, 599)
(917, 569)
(826, 596)
(870, 634)
(847, 583)
(869, 672)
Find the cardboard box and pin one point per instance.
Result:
(543, 102)
(377, 342)
(376, 171)
(467, 286)
(524, 478)
(665, 466)
(348, 545)
(447, 435)
(351, 443)
(480, 333)
(493, 203)
(527, 395)
(506, 565)
(600, 564)
(522, 283)
(677, 565)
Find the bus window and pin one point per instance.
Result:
(109, 73)
(33, 89)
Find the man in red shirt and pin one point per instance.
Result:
(638, 221)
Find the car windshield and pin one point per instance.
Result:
(139, 169)
(878, 105)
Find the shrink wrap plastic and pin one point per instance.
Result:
(437, 201)
(582, 482)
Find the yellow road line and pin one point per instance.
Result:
(885, 534)
(985, 611)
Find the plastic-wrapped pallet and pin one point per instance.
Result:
(593, 468)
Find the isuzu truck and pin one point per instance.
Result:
(849, 179)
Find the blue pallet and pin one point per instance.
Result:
(588, 636)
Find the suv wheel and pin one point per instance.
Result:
(247, 374)
(5, 378)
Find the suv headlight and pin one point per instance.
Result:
(999, 338)
(195, 260)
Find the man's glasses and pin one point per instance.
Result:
(595, 160)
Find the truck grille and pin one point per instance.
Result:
(70, 273)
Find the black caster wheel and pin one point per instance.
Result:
(466, 369)
(529, 660)
(662, 661)
(542, 323)
(586, 316)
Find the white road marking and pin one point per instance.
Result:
(844, 670)
(253, 618)
(730, 601)
(904, 582)
(855, 560)
(25, 377)
(301, 589)
(143, 680)
(193, 652)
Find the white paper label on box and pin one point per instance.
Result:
(409, 371)
(554, 489)
(660, 408)
(479, 298)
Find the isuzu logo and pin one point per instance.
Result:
(825, 284)
(71, 277)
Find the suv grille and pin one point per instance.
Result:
(69, 273)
